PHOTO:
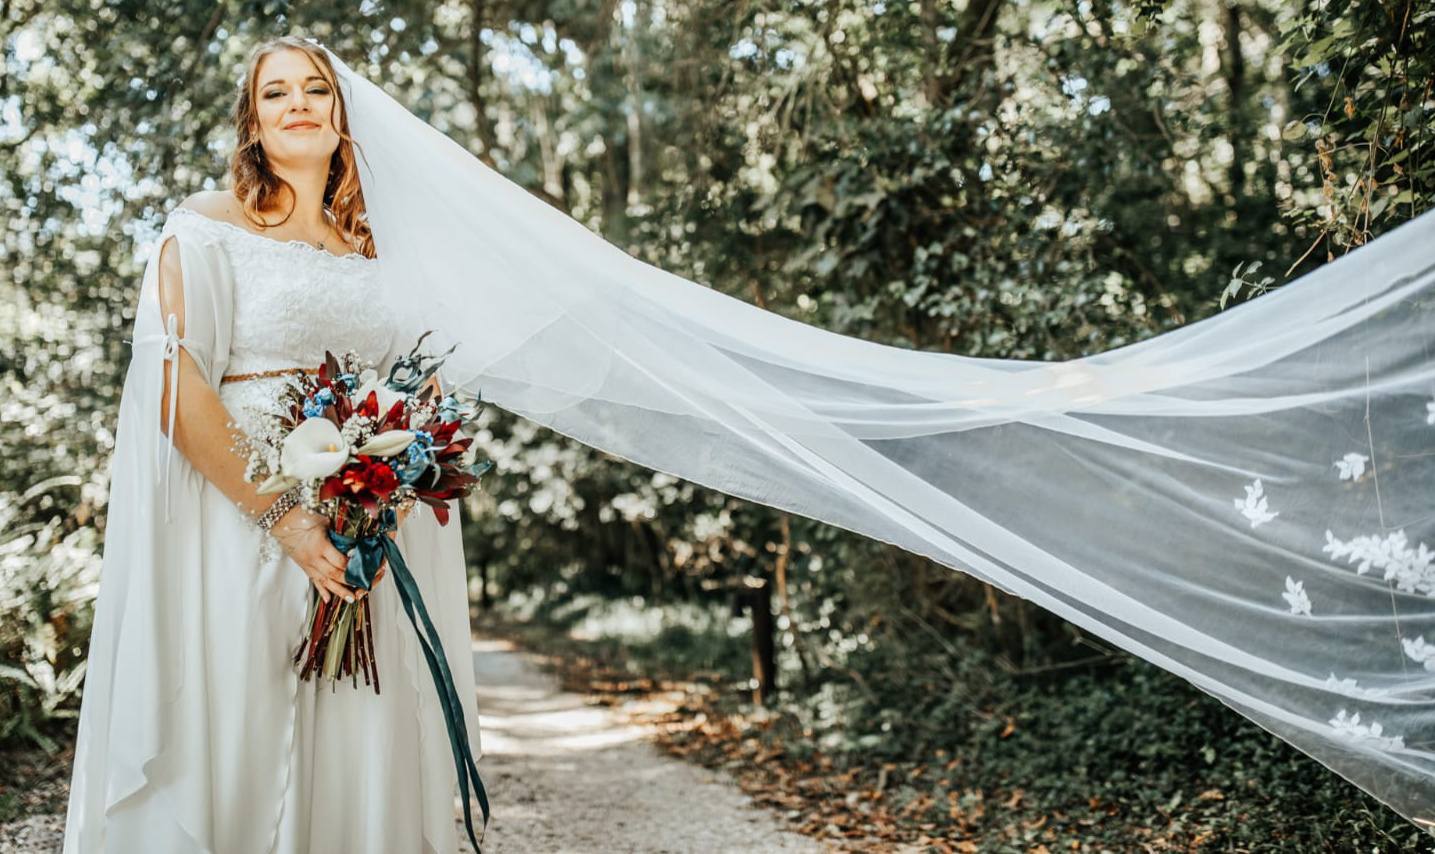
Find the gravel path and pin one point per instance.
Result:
(565, 776)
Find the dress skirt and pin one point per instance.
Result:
(293, 766)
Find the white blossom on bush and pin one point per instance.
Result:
(1254, 507)
(1349, 726)
(1412, 570)
(1351, 466)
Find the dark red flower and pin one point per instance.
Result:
(369, 408)
(367, 474)
(366, 482)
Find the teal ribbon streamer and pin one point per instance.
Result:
(366, 555)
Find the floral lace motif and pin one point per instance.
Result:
(1254, 507)
(1412, 570)
(1351, 466)
(1296, 596)
(1349, 726)
(1408, 569)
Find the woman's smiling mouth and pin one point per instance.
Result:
(305, 125)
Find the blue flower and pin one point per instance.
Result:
(415, 463)
(315, 403)
(418, 457)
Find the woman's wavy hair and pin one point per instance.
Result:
(255, 183)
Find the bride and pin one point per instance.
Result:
(1243, 501)
(195, 731)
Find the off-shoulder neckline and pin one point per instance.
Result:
(351, 257)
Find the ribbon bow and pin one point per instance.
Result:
(366, 553)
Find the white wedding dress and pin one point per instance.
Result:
(243, 756)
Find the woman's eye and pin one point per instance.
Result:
(276, 93)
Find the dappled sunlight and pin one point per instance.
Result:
(523, 714)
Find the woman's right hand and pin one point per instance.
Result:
(305, 538)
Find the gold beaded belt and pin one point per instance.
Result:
(263, 375)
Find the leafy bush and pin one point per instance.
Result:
(48, 580)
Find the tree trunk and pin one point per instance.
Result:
(758, 593)
(477, 59)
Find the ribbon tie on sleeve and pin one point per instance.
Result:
(170, 343)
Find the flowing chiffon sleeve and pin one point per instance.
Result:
(133, 728)
(191, 328)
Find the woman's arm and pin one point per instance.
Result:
(202, 432)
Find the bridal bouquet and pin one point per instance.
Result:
(362, 451)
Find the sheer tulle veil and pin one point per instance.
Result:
(1245, 501)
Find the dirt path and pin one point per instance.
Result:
(564, 776)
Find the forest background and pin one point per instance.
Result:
(994, 178)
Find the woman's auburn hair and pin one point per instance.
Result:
(255, 183)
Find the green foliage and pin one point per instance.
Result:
(1364, 72)
(45, 596)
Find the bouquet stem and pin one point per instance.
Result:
(338, 639)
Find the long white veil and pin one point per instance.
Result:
(1248, 501)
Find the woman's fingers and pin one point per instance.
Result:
(330, 579)
(333, 556)
(341, 591)
(321, 584)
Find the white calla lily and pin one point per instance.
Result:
(313, 450)
(276, 483)
(387, 443)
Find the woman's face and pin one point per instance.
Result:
(292, 102)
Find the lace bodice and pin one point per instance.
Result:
(291, 303)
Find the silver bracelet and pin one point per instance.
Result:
(283, 504)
